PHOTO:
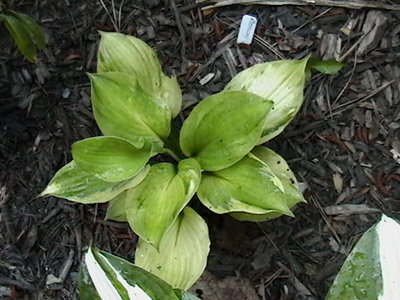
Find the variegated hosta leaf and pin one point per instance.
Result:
(124, 110)
(110, 158)
(248, 186)
(182, 255)
(155, 203)
(75, 184)
(106, 277)
(127, 54)
(280, 169)
(280, 81)
(223, 128)
(188, 169)
(372, 269)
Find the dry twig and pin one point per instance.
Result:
(353, 4)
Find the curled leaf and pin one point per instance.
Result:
(223, 128)
(153, 205)
(124, 110)
(280, 81)
(248, 186)
(182, 256)
(75, 184)
(127, 54)
(279, 167)
(110, 158)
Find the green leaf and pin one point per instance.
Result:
(187, 295)
(182, 255)
(280, 81)
(32, 27)
(105, 276)
(109, 158)
(86, 289)
(223, 128)
(280, 169)
(154, 204)
(248, 186)
(116, 209)
(189, 169)
(127, 54)
(124, 110)
(372, 269)
(325, 66)
(75, 184)
(21, 36)
(171, 94)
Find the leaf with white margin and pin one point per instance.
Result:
(75, 184)
(122, 109)
(223, 128)
(130, 55)
(182, 255)
(282, 82)
(107, 277)
(280, 169)
(153, 205)
(110, 158)
(372, 269)
(248, 186)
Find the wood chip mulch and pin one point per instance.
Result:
(344, 145)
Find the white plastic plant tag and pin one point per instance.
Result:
(246, 31)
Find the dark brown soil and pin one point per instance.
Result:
(341, 145)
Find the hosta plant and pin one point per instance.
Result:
(149, 168)
(24, 30)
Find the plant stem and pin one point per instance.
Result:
(172, 144)
(172, 154)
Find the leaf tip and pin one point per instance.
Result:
(287, 212)
(46, 192)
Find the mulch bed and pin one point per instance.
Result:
(342, 145)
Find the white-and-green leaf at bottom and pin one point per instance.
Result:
(372, 269)
(107, 277)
